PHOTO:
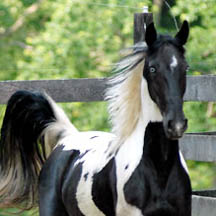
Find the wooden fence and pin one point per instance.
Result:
(196, 146)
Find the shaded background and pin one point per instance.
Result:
(61, 39)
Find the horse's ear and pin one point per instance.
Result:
(183, 33)
(151, 34)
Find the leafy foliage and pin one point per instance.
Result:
(201, 15)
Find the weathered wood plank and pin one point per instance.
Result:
(199, 147)
(199, 88)
(141, 20)
(72, 90)
(203, 206)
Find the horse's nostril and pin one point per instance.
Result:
(169, 125)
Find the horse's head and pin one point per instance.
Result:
(165, 72)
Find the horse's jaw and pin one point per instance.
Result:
(149, 111)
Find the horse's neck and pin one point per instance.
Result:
(161, 151)
(149, 113)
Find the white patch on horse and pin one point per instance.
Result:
(96, 153)
(134, 144)
(83, 141)
(92, 163)
(173, 63)
(183, 162)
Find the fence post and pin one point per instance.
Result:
(141, 20)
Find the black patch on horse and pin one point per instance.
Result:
(93, 137)
(69, 187)
(104, 189)
(86, 176)
(52, 178)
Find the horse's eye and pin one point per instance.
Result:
(152, 69)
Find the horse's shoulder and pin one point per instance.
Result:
(57, 162)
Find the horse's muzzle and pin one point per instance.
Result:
(174, 129)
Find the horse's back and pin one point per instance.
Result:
(78, 177)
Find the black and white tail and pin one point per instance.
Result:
(30, 130)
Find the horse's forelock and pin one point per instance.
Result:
(164, 40)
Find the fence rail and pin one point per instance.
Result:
(199, 88)
(71, 90)
(203, 206)
(199, 147)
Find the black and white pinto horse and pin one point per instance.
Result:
(135, 171)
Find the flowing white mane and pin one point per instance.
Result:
(124, 93)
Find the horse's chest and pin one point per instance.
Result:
(156, 193)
